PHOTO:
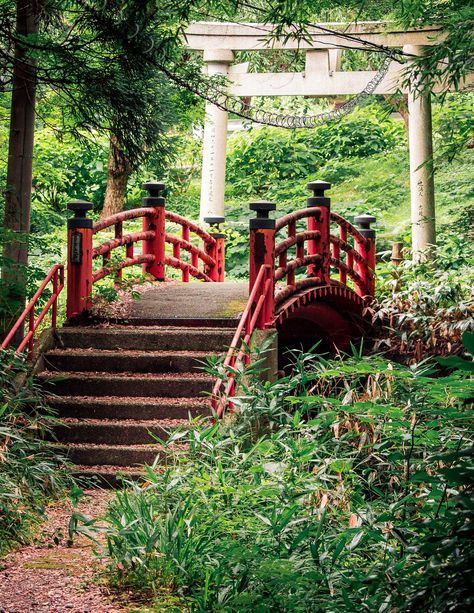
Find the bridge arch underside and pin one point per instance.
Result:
(331, 315)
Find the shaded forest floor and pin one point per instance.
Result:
(50, 577)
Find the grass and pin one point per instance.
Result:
(31, 474)
(343, 487)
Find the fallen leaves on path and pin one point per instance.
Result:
(50, 577)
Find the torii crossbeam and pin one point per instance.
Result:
(321, 77)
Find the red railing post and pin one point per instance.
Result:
(156, 223)
(321, 223)
(79, 259)
(367, 251)
(216, 251)
(262, 252)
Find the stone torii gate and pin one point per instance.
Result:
(322, 77)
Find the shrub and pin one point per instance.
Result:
(265, 158)
(425, 307)
(31, 474)
(345, 486)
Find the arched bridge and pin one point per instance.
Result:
(310, 271)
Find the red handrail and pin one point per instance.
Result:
(208, 256)
(123, 216)
(352, 260)
(357, 265)
(238, 349)
(56, 274)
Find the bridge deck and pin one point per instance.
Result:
(200, 301)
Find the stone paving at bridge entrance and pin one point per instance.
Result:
(198, 301)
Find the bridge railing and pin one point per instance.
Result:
(314, 250)
(353, 253)
(205, 262)
(274, 266)
(54, 276)
(251, 319)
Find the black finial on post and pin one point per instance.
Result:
(364, 221)
(80, 219)
(154, 190)
(214, 222)
(319, 198)
(263, 209)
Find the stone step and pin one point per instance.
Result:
(88, 454)
(128, 384)
(106, 360)
(139, 408)
(107, 476)
(175, 322)
(124, 432)
(172, 338)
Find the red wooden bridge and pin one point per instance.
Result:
(311, 273)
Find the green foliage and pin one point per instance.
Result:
(426, 307)
(455, 125)
(454, 361)
(65, 169)
(262, 158)
(345, 486)
(31, 474)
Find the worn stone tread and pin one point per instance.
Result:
(89, 454)
(134, 407)
(124, 432)
(115, 360)
(126, 384)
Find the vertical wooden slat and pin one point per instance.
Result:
(290, 277)
(343, 237)
(118, 234)
(185, 236)
(336, 254)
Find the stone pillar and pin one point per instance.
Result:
(214, 142)
(420, 142)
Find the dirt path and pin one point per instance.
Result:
(49, 577)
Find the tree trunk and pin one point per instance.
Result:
(119, 171)
(20, 161)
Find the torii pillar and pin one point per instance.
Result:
(214, 142)
(420, 143)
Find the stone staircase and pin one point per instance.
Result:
(115, 388)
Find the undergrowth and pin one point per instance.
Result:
(345, 486)
(31, 474)
(424, 308)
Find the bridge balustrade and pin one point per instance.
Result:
(298, 257)
(314, 253)
(205, 263)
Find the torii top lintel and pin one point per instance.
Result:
(323, 46)
(208, 35)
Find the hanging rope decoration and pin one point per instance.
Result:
(235, 105)
(194, 83)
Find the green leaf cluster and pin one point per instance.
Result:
(31, 473)
(345, 486)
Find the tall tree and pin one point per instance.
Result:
(20, 155)
(94, 52)
(118, 173)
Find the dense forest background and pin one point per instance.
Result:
(347, 484)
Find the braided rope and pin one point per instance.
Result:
(235, 105)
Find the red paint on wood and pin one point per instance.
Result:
(156, 245)
(56, 274)
(79, 274)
